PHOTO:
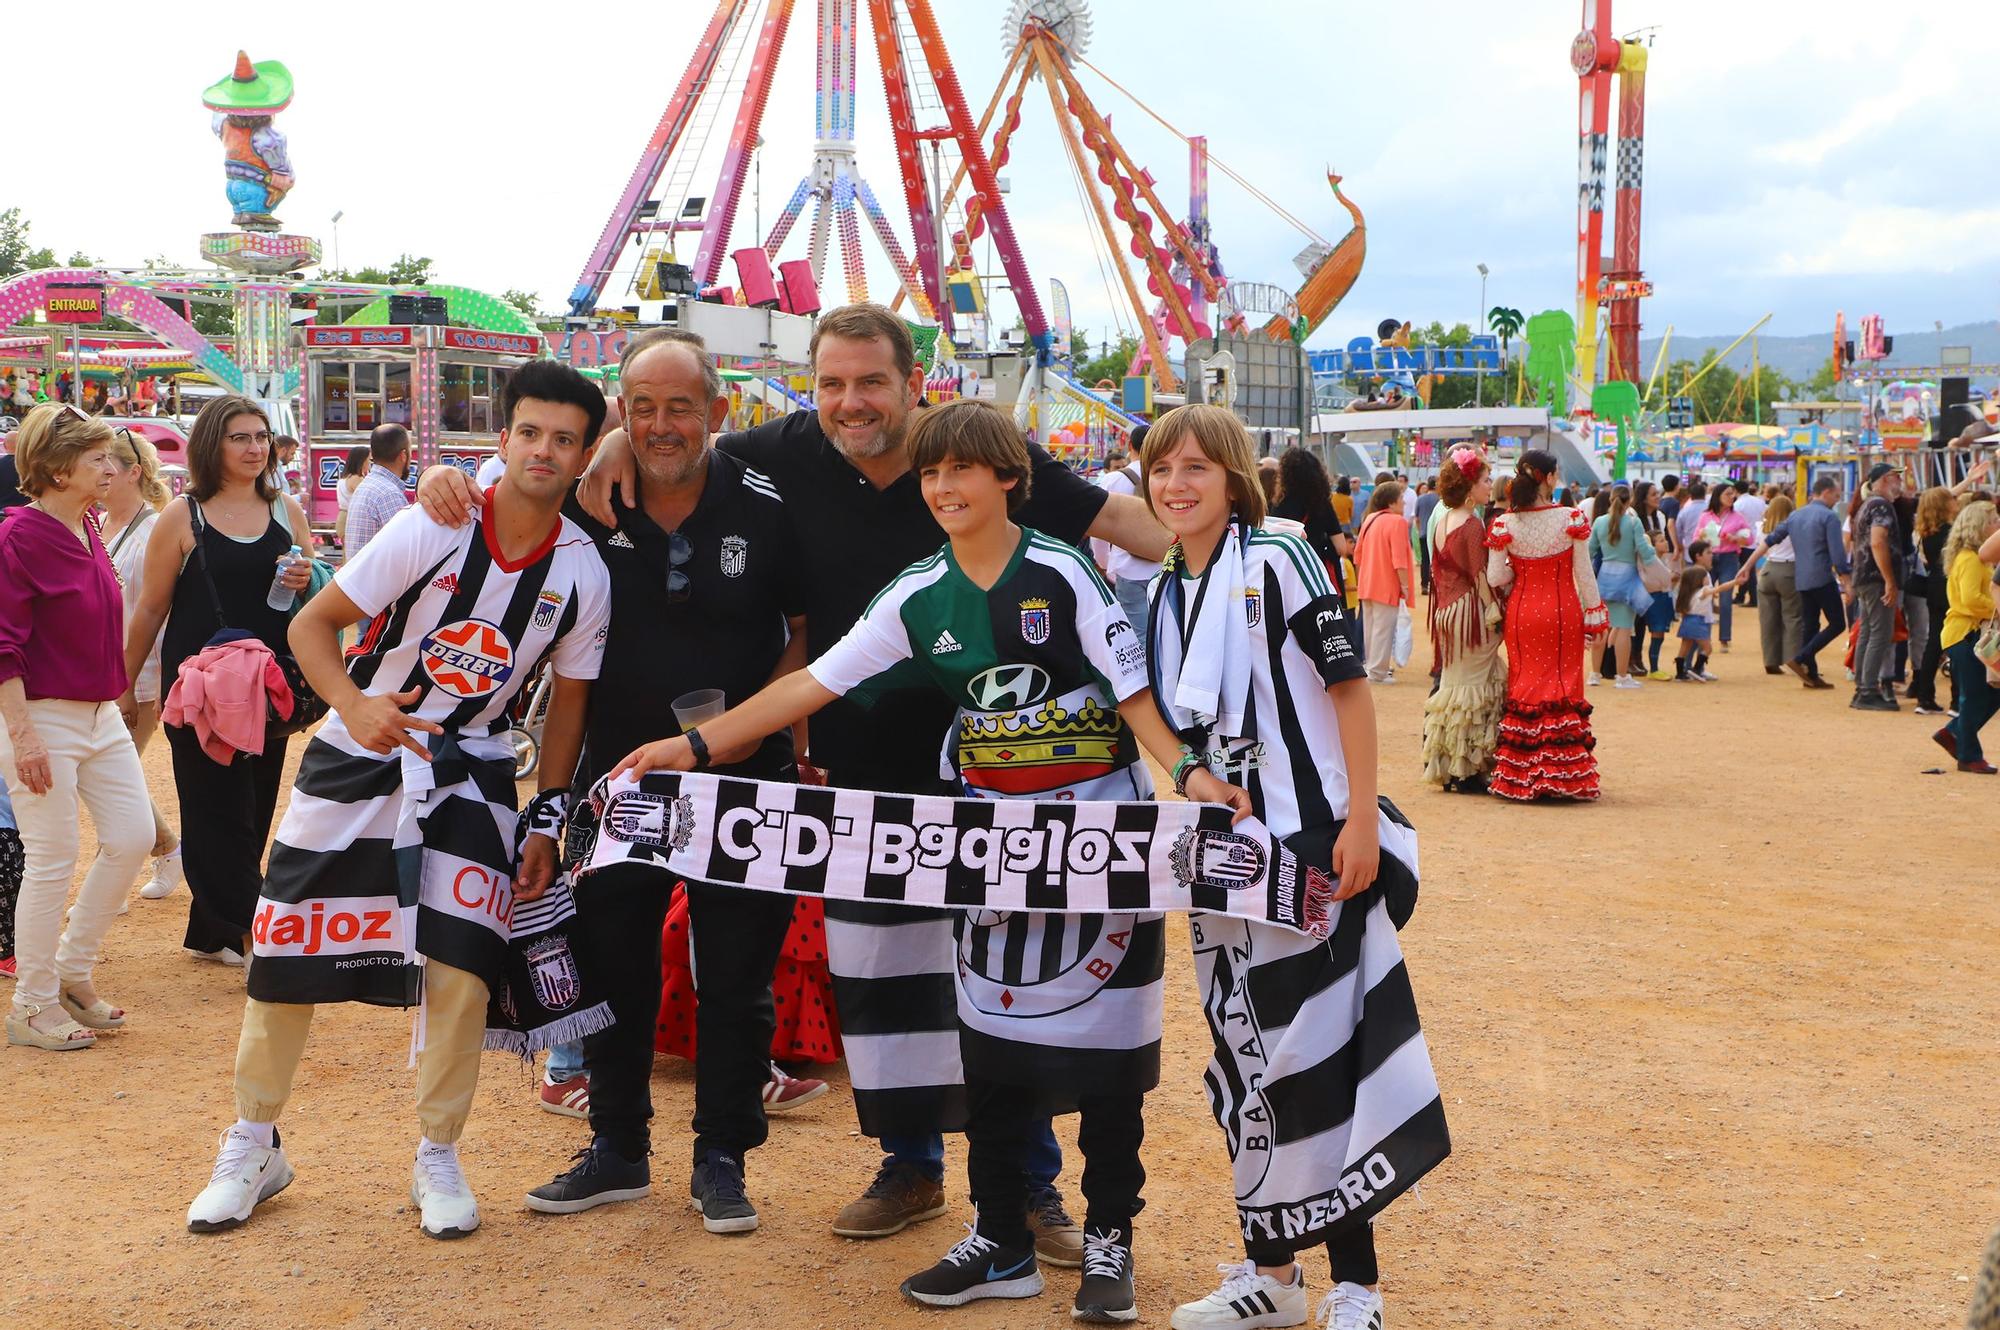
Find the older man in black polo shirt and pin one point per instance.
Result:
(859, 518)
(705, 593)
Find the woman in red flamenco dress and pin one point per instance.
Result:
(1539, 554)
(801, 988)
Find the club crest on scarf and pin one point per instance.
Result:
(1222, 859)
(553, 970)
(735, 555)
(467, 658)
(998, 976)
(665, 822)
(1034, 622)
(547, 606)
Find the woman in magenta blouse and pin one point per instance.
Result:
(62, 669)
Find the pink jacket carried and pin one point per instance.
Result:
(223, 693)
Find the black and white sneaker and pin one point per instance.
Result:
(1246, 1300)
(1105, 1295)
(976, 1268)
(599, 1176)
(1351, 1307)
(717, 1192)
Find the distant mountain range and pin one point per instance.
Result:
(1802, 357)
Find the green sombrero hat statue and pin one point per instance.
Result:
(264, 88)
(255, 160)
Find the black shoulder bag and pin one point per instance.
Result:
(308, 707)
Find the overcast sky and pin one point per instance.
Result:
(1800, 157)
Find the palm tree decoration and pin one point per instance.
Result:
(1506, 322)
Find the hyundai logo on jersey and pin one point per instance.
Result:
(469, 658)
(1012, 685)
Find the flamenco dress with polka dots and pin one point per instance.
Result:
(1541, 557)
(801, 987)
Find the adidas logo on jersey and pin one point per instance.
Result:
(620, 541)
(946, 644)
(448, 584)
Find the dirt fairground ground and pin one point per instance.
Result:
(1717, 1052)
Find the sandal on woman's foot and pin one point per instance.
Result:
(99, 1015)
(61, 1038)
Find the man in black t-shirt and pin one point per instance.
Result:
(858, 518)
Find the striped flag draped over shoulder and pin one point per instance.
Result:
(1321, 1079)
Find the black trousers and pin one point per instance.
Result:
(1822, 602)
(1352, 1257)
(226, 814)
(737, 937)
(1109, 1132)
(1923, 683)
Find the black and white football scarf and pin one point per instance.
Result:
(543, 997)
(381, 861)
(1321, 1080)
(1054, 857)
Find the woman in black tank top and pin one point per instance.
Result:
(226, 809)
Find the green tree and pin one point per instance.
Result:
(1079, 346)
(1111, 365)
(525, 301)
(407, 270)
(1822, 384)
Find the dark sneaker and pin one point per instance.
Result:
(717, 1193)
(900, 1196)
(1874, 701)
(1814, 681)
(1948, 741)
(1105, 1295)
(599, 1176)
(1058, 1238)
(976, 1268)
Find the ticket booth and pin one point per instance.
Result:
(443, 384)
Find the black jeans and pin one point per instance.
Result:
(1822, 602)
(737, 936)
(1109, 1132)
(1352, 1256)
(1923, 681)
(226, 816)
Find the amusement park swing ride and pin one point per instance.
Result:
(947, 166)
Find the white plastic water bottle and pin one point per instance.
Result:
(282, 596)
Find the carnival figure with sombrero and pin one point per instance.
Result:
(254, 154)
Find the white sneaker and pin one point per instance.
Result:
(226, 956)
(1627, 681)
(166, 877)
(1246, 1301)
(439, 1190)
(1351, 1307)
(246, 1175)
(1592, 679)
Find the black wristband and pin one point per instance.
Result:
(700, 747)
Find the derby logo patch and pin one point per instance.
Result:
(469, 658)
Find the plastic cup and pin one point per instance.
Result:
(691, 709)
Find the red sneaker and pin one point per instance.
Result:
(784, 1093)
(570, 1098)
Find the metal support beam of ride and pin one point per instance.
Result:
(1625, 276)
(1156, 349)
(666, 136)
(742, 143)
(1088, 113)
(897, 91)
(1593, 55)
(1027, 298)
